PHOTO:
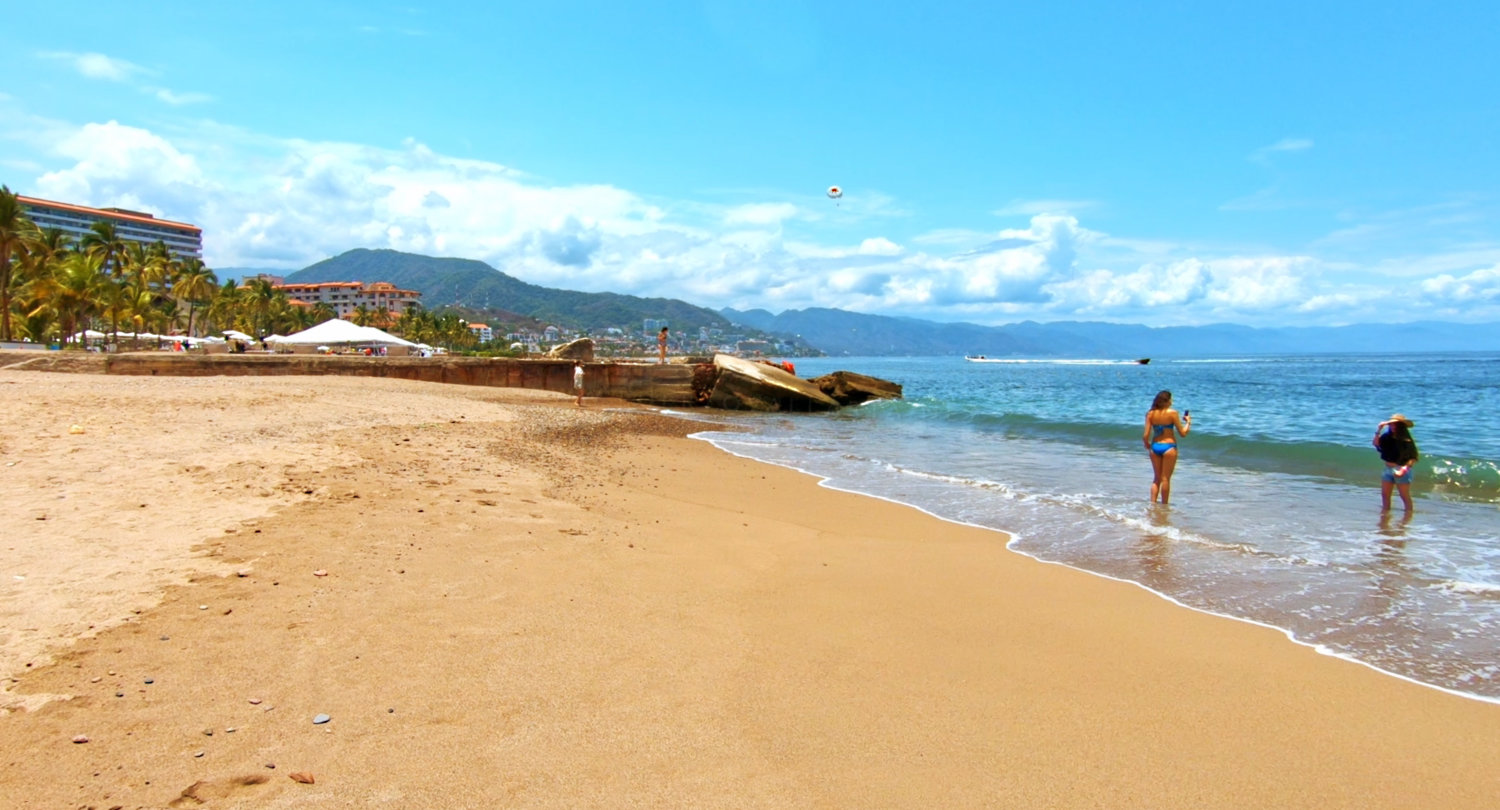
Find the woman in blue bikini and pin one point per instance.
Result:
(1161, 443)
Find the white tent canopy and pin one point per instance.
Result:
(339, 332)
(90, 334)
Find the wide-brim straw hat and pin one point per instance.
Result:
(1397, 417)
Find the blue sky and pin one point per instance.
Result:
(1265, 163)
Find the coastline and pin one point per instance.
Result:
(1012, 546)
(531, 604)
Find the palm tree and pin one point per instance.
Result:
(453, 332)
(42, 254)
(260, 299)
(322, 311)
(361, 315)
(195, 285)
(14, 226)
(46, 246)
(104, 240)
(114, 300)
(136, 263)
(138, 309)
(72, 292)
(224, 306)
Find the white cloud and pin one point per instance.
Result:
(1264, 153)
(1034, 207)
(119, 165)
(1478, 287)
(1259, 283)
(98, 66)
(760, 214)
(879, 246)
(178, 99)
(109, 68)
(273, 202)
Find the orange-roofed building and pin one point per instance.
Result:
(182, 239)
(482, 332)
(347, 296)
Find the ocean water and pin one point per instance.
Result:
(1275, 515)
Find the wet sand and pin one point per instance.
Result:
(500, 599)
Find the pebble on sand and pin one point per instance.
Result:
(320, 573)
(80, 739)
(321, 719)
(301, 776)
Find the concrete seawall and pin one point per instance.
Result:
(672, 384)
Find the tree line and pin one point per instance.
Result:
(53, 286)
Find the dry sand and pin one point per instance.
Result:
(527, 604)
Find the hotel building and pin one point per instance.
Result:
(182, 239)
(347, 296)
(482, 332)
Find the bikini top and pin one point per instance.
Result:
(1156, 430)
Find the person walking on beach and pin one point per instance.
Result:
(578, 381)
(1161, 443)
(1399, 452)
(661, 345)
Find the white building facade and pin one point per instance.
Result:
(183, 240)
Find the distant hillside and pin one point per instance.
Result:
(475, 285)
(852, 334)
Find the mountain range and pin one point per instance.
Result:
(839, 332)
(478, 287)
(474, 285)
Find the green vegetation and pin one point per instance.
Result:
(477, 288)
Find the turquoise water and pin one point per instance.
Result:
(1275, 512)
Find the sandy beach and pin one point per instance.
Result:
(499, 599)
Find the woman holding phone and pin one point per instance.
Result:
(1163, 426)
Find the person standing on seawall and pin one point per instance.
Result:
(1161, 443)
(661, 345)
(1399, 452)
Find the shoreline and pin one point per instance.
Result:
(528, 603)
(1011, 545)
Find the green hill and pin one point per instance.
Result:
(476, 286)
